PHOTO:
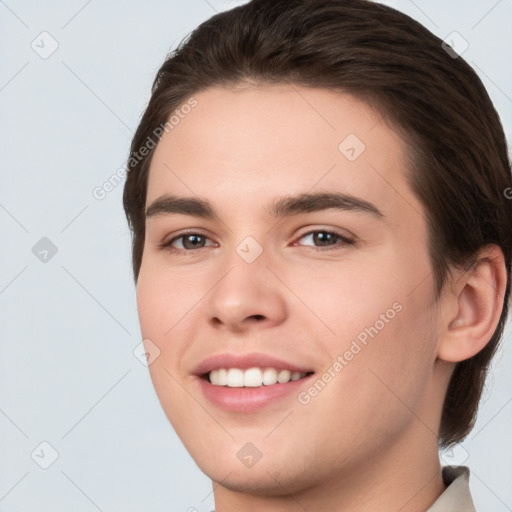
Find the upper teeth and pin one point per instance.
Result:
(252, 377)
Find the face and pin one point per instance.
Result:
(284, 242)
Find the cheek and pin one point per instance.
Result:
(377, 326)
(150, 301)
(160, 309)
(396, 365)
(161, 305)
(163, 300)
(168, 303)
(348, 298)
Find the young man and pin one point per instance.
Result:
(322, 250)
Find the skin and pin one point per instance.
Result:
(368, 440)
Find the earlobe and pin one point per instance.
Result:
(475, 303)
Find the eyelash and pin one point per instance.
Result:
(345, 241)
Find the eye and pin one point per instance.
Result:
(324, 238)
(318, 240)
(187, 242)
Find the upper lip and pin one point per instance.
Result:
(245, 361)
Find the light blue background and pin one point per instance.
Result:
(69, 326)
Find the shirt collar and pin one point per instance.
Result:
(457, 496)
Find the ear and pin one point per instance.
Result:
(472, 306)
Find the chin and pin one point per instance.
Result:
(259, 482)
(268, 477)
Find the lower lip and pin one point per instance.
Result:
(249, 399)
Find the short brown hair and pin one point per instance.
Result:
(459, 166)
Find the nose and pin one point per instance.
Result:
(248, 297)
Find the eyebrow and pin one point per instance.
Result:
(282, 207)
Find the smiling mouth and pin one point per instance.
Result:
(252, 377)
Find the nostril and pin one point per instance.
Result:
(258, 317)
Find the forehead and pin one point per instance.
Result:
(263, 142)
